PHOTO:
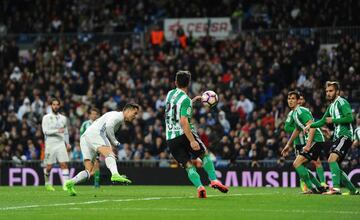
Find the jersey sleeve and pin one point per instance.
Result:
(110, 129)
(289, 124)
(45, 124)
(66, 132)
(357, 134)
(346, 111)
(186, 108)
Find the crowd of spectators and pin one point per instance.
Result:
(109, 16)
(251, 75)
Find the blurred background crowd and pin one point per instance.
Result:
(251, 74)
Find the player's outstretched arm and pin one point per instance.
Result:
(310, 137)
(290, 142)
(66, 136)
(348, 118)
(319, 123)
(196, 98)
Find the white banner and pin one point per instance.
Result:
(219, 28)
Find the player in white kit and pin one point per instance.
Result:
(54, 126)
(100, 137)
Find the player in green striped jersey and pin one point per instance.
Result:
(299, 143)
(94, 114)
(357, 133)
(338, 113)
(182, 138)
(300, 117)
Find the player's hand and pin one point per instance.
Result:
(329, 120)
(68, 147)
(198, 97)
(119, 146)
(306, 148)
(307, 128)
(284, 152)
(61, 130)
(195, 145)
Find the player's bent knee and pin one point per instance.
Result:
(187, 164)
(333, 157)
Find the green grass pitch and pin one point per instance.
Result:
(172, 202)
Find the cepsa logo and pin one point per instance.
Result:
(198, 27)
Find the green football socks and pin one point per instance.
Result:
(208, 166)
(304, 175)
(321, 175)
(194, 176)
(97, 178)
(346, 181)
(314, 180)
(335, 174)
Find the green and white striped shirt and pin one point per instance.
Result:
(85, 126)
(301, 116)
(178, 104)
(340, 112)
(357, 134)
(290, 127)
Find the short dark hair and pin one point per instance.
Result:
(333, 83)
(183, 78)
(295, 93)
(53, 99)
(93, 109)
(301, 94)
(131, 106)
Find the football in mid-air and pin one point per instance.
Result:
(209, 98)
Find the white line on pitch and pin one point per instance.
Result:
(127, 200)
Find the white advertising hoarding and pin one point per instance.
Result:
(219, 28)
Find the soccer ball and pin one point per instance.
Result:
(209, 98)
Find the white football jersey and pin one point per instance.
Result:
(107, 124)
(51, 123)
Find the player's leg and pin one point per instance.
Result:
(96, 171)
(180, 150)
(339, 176)
(80, 177)
(100, 144)
(65, 173)
(63, 157)
(339, 150)
(194, 178)
(311, 155)
(49, 160)
(311, 182)
(208, 166)
(319, 171)
(48, 185)
(298, 149)
(110, 162)
(302, 171)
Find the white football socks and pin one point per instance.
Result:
(65, 175)
(83, 175)
(46, 177)
(111, 164)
